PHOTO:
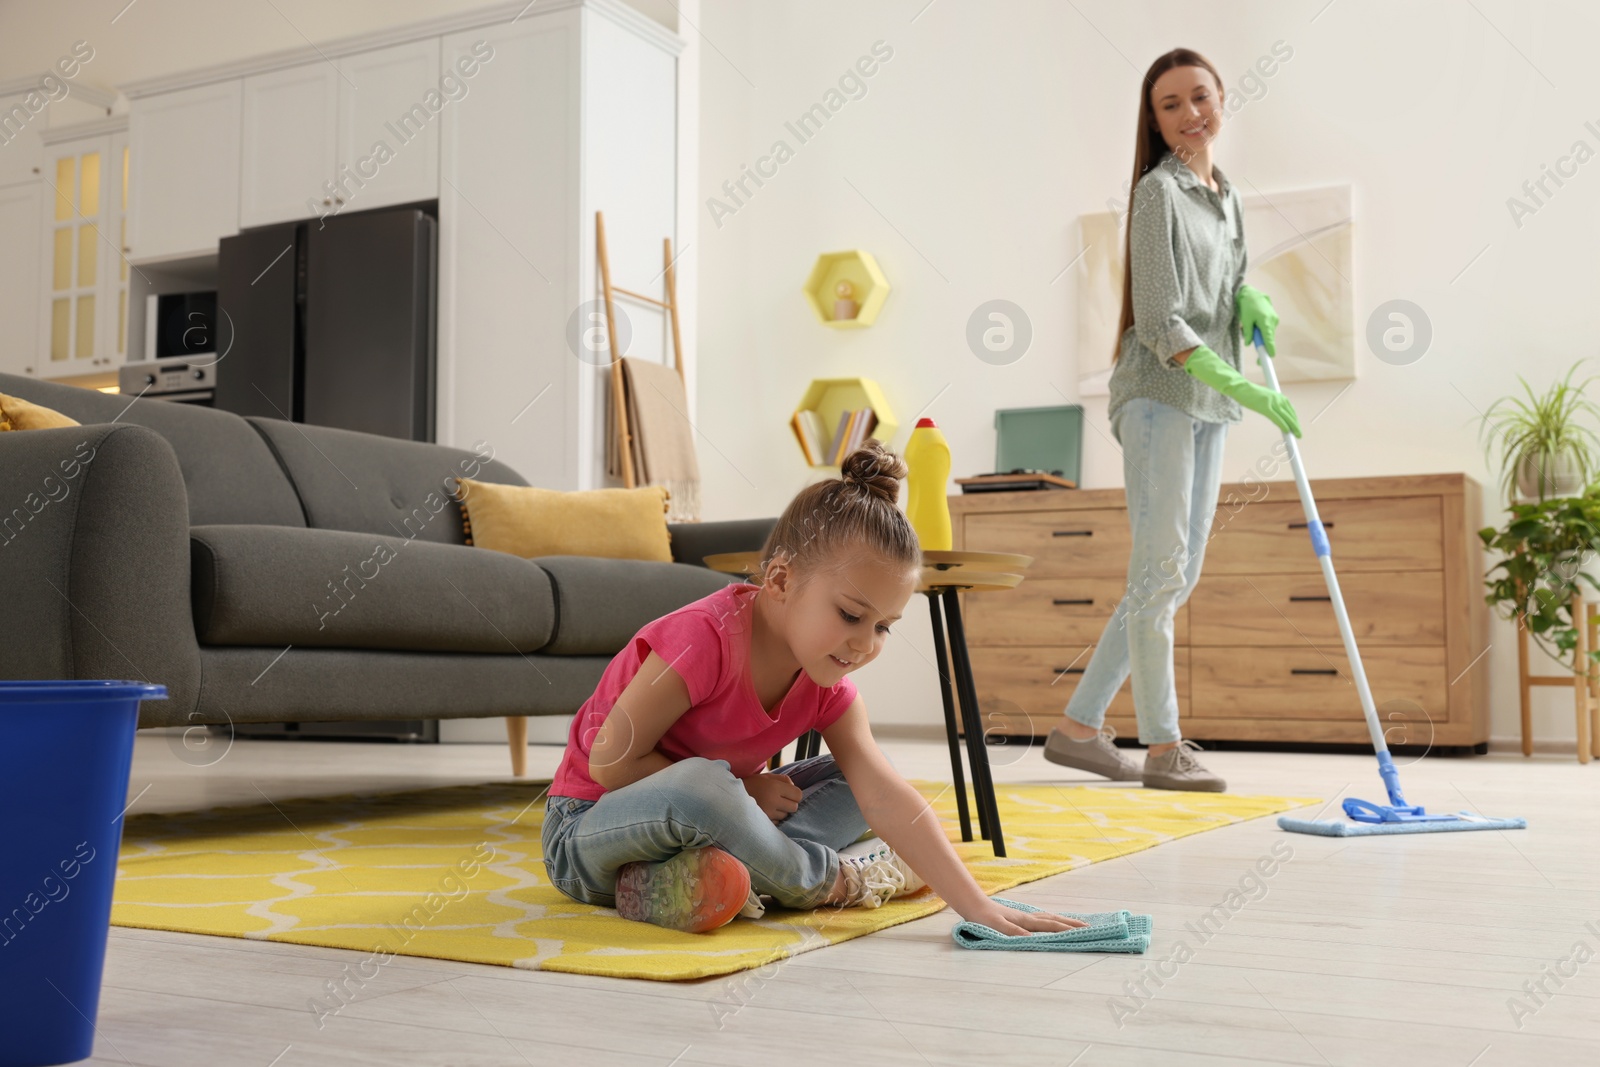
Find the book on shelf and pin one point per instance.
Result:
(847, 422)
(856, 426)
(852, 429)
(816, 433)
(797, 424)
(811, 433)
(836, 449)
(869, 422)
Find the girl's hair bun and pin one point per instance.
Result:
(875, 469)
(851, 517)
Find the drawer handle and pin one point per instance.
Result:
(1306, 525)
(1071, 533)
(1071, 600)
(1312, 670)
(1324, 596)
(1067, 670)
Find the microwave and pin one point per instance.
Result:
(181, 324)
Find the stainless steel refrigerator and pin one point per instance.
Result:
(331, 322)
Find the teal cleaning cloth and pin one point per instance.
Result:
(1108, 931)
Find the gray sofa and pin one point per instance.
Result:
(268, 571)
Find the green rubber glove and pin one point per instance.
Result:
(1255, 309)
(1208, 367)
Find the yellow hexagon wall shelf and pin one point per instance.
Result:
(857, 267)
(829, 398)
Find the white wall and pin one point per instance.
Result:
(993, 126)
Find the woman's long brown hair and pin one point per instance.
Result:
(1149, 147)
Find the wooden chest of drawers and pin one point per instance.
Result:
(1257, 651)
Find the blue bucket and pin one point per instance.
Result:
(64, 765)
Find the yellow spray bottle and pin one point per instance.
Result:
(928, 461)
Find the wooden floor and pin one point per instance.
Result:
(1409, 950)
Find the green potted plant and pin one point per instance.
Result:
(1543, 549)
(1547, 449)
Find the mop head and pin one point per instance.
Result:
(1337, 828)
(1108, 931)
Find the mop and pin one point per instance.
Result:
(1395, 817)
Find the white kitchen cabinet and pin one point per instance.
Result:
(19, 276)
(20, 148)
(389, 112)
(350, 133)
(522, 120)
(288, 142)
(81, 303)
(184, 187)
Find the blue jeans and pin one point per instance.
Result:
(1172, 467)
(697, 802)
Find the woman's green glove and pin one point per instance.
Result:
(1207, 366)
(1255, 309)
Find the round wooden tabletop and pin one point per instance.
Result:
(945, 560)
(976, 581)
(735, 562)
(977, 571)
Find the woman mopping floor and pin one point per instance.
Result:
(1175, 389)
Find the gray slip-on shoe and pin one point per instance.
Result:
(1097, 755)
(1177, 768)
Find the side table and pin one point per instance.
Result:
(944, 575)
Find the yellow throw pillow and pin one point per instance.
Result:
(531, 522)
(19, 414)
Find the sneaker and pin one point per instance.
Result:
(1096, 754)
(753, 908)
(874, 873)
(697, 890)
(1178, 769)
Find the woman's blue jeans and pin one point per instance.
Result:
(697, 802)
(1172, 467)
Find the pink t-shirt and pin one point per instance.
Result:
(708, 644)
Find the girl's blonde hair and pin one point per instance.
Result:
(854, 512)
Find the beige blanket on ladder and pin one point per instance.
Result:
(663, 439)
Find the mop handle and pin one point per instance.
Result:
(1319, 542)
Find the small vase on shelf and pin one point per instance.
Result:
(845, 307)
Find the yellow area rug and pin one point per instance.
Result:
(456, 873)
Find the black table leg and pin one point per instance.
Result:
(949, 715)
(977, 748)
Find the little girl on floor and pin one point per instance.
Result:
(662, 806)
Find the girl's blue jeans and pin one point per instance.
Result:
(697, 802)
(1172, 467)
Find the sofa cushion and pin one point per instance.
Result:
(274, 586)
(528, 521)
(602, 603)
(228, 471)
(19, 414)
(366, 483)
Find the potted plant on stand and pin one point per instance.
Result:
(1548, 462)
(1546, 449)
(1543, 550)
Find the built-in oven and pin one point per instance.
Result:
(175, 378)
(180, 350)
